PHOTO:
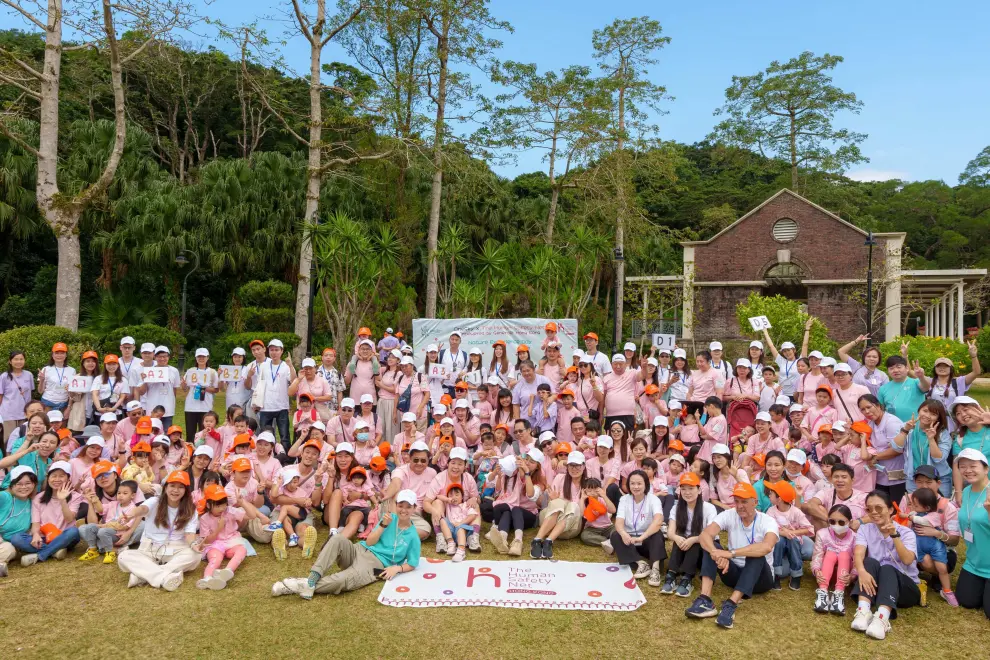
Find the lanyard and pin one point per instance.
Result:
(275, 372)
(126, 367)
(751, 536)
(969, 508)
(60, 374)
(637, 514)
(787, 368)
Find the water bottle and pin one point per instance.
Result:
(198, 393)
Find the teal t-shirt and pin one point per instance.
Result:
(397, 547)
(901, 399)
(762, 502)
(980, 440)
(15, 515)
(973, 519)
(33, 461)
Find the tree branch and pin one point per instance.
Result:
(335, 162)
(333, 33)
(27, 90)
(17, 139)
(30, 70)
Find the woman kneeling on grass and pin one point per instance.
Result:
(165, 552)
(393, 547)
(15, 511)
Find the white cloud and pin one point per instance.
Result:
(868, 174)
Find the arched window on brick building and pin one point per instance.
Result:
(786, 279)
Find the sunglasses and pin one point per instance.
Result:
(833, 521)
(420, 460)
(460, 389)
(562, 454)
(876, 509)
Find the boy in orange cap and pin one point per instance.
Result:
(794, 528)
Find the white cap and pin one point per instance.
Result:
(783, 400)
(156, 423)
(440, 409)
(721, 448)
(396, 353)
(446, 420)
(161, 440)
(308, 362)
(842, 366)
(432, 348)
(318, 425)
(494, 380)
(409, 416)
(963, 399)
(462, 403)
(277, 343)
(406, 359)
(458, 452)
(147, 347)
(969, 452)
(455, 332)
(475, 351)
(797, 407)
(204, 450)
(162, 349)
(679, 458)
(535, 454)
(366, 342)
(663, 351)
(715, 346)
(59, 465)
(763, 417)
(680, 353)
(96, 441)
(816, 354)
(629, 346)
(798, 456)
(408, 496)
(388, 330)
(618, 357)
(56, 416)
(133, 405)
(290, 472)
(756, 343)
(419, 445)
(653, 361)
(107, 417)
(127, 340)
(202, 352)
(839, 425)
(675, 405)
(828, 362)
(347, 402)
(546, 436)
(406, 349)
(660, 420)
(786, 345)
(361, 424)
(238, 351)
(575, 458)
(578, 353)
(344, 446)
(265, 436)
(508, 464)
(367, 398)
(744, 362)
(604, 441)
(16, 473)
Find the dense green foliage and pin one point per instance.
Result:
(221, 348)
(787, 322)
(925, 350)
(37, 341)
(145, 333)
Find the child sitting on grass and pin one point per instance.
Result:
(458, 519)
(105, 528)
(219, 538)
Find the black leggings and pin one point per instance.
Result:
(652, 549)
(755, 577)
(973, 592)
(194, 423)
(687, 561)
(894, 589)
(515, 517)
(614, 493)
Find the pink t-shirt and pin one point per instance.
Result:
(865, 478)
(815, 418)
(438, 486)
(51, 512)
(808, 383)
(856, 502)
(484, 412)
(603, 472)
(620, 392)
(628, 468)
(792, 519)
(564, 417)
(457, 513)
(558, 485)
(552, 373)
(850, 398)
(339, 431)
(756, 445)
(601, 522)
(584, 395)
(420, 388)
(269, 469)
(689, 434)
(248, 491)
(366, 491)
(472, 425)
(718, 431)
(388, 378)
(319, 386)
(725, 483)
(705, 383)
(418, 483)
(228, 523)
(363, 381)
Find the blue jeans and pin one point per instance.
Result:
(934, 548)
(789, 556)
(54, 406)
(67, 539)
(279, 421)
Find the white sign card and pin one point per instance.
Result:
(760, 323)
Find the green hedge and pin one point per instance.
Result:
(786, 321)
(928, 349)
(222, 347)
(983, 346)
(268, 294)
(268, 319)
(36, 341)
(147, 332)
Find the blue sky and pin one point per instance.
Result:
(920, 68)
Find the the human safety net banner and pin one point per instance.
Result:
(482, 333)
(555, 585)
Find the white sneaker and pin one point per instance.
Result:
(60, 555)
(29, 560)
(655, 578)
(862, 620)
(334, 531)
(642, 570)
(441, 545)
(212, 582)
(172, 581)
(224, 574)
(135, 581)
(878, 628)
(474, 542)
(281, 589)
(821, 600)
(607, 547)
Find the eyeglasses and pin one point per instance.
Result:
(420, 460)
(833, 521)
(518, 430)
(876, 509)
(347, 409)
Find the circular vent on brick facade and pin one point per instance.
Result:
(784, 230)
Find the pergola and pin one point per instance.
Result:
(941, 294)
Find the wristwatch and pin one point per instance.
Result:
(733, 553)
(895, 535)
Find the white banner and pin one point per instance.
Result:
(553, 585)
(482, 333)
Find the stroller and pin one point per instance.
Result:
(741, 413)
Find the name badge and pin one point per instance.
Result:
(968, 536)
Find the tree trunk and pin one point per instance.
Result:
(554, 192)
(620, 263)
(68, 285)
(437, 186)
(794, 162)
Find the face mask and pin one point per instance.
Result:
(363, 437)
(793, 475)
(839, 529)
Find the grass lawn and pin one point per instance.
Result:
(81, 610)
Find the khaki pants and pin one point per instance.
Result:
(258, 532)
(154, 567)
(357, 566)
(386, 415)
(596, 535)
(7, 552)
(421, 525)
(568, 512)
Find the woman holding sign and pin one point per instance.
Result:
(80, 402)
(236, 392)
(110, 389)
(200, 384)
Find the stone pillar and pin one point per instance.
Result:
(687, 321)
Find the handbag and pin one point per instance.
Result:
(260, 384)
(405, 399)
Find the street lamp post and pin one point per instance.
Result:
(870, 242)
(181, 260)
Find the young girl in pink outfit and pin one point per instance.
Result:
(833, 548)
(218, 529)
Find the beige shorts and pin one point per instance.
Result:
(569, 513)
(421, 525)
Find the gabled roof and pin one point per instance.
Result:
(782, 191)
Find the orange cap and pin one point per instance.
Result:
(143, 427)
(824, 428)
(760, 459)
(312, 443)
(241, 465)
(521, 348)
(676, 445)
(460, 385)
(256, 341)
(102, 467)
(358, 470)
(90, 354)
(591, 335)
(173, 429)
(744, 491)
(563, 448)
(862, 427)
(783, 489)
(446, 440)
(59, 346)
(178, 477)
(550, 326)
(594, 510)
(446, 399)
(110, 358)
(378, 463)
(399, 335)
(651, 389)
(452, 486)
(504, 427)
(384, 449)
(689, 479)
(329, 349)
(242, 439)
(142, 447)
(364, 332)
(566, 392)
(824, 387)
(406, 446)
(499, 342)
(571, 369)
(214, 492)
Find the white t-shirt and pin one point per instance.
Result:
(57, 383)
(163, 394)
(708, 514)
(161, 535)
(603, 365)
(112, 389)
(741, 536)
(135, 381)
(237, 393)
(129, 371)
(455, 363)
(276, 386)
(637, 517)
(207, 378)
(787, 375)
